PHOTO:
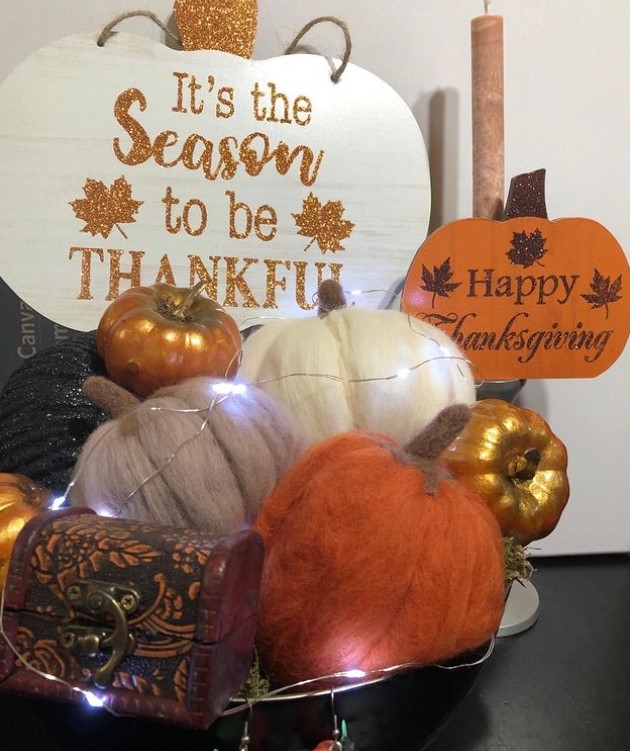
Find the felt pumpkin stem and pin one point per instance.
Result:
(425, 447)
(330, 297)
(113, 399)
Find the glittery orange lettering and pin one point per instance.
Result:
(115, 273)
(86, 269)
(181, 77)
(225, 102)
(236, 281)
(141, 148)
(273, 106)
(273, 282)
(265, 216)
(198, 272)
(254, 152)
(300, 280)
(165, 272)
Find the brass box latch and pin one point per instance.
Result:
(111, 604)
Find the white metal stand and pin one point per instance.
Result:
(521, 609)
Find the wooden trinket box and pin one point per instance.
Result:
(155, 622)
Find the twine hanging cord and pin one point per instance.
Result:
(108, 32)
(336, 76)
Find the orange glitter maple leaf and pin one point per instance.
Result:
(104, 208)
(323, 223)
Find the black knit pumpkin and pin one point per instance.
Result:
(45, 418)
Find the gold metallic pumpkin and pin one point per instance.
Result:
(515, 462)
(20, 500)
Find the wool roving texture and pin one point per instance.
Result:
(364, 569)
(189, 456)
(358, 368)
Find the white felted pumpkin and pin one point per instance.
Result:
(203, 453)
(355, 368)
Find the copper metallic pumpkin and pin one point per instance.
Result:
(20, 500)
(157, 336)
(510, 456)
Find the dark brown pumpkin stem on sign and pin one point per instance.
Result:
(527, 196)
(330, 296)
(425, 447)
(113, 399)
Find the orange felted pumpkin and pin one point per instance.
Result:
(20, 500)
(376, 557)
(157, 336)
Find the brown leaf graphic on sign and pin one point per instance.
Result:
(605, 292)
(527, 249)
(439, 282)
(323, 223)
(104, 208)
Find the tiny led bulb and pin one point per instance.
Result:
(355, 674)
(226, 388)
(92, 699)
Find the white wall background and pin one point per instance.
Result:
(567, 71)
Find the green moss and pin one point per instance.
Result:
(517, 564)
(257, 683)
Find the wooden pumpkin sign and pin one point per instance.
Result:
(525, 298)
(132, 163)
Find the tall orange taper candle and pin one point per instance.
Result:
(487, 116)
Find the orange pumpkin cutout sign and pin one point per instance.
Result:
(527, 297)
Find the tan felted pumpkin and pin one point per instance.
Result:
(203, 453)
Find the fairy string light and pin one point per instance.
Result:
(350, 678)
(293, 690)
(403, 371)
(90, 697)
(118, 509)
